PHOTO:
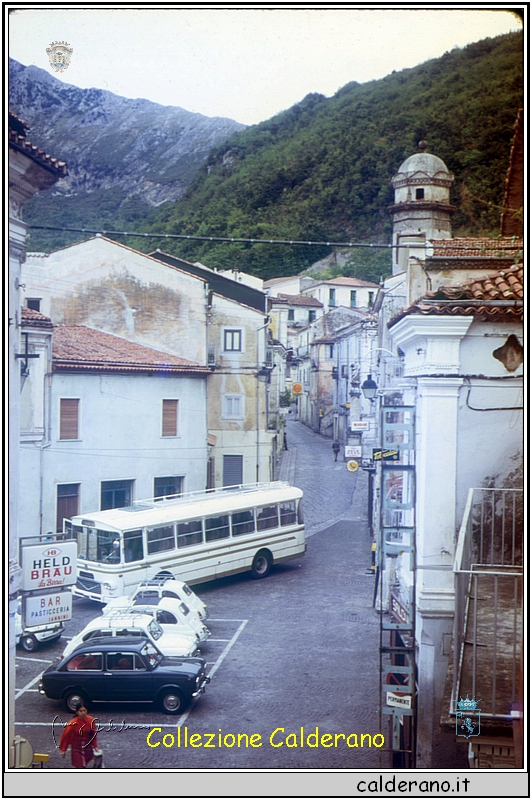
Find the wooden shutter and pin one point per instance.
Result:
(233, 470)
(170, 417)
(68, 425)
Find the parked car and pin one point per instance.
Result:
(162, 587)
(30, 638)
(172, 615)
(124, 669)
(183, 644)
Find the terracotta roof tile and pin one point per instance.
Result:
(80, 347)
(35, 319)
(471, 247)
(18, 140)
(503, 287)
(297, 300)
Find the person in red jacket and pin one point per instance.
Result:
(80, 735)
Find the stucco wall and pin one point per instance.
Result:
(120, 439)
(112, 288)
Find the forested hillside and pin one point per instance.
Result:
(322, 169)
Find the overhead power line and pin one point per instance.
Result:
(428, 245)
(226, 239)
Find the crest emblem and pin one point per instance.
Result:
(59, 54)
(467, 717)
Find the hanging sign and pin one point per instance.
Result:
(353, 451)
(385, 455)
(352, 466)
(297, 388)
(47, 608)
(398, 611)
(360, 425)
(48, 566)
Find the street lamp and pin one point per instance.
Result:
(369, 388)
(264, 375)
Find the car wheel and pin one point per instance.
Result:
(28, 642)
(172, 701)
(262, 564)
(72, 699)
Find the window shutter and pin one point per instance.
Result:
(169, 417)
(233, 470)
(68, 424)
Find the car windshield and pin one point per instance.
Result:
(151, 654)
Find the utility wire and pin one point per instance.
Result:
(231, 239)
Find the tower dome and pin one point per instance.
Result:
(422, 207)
(422, 168)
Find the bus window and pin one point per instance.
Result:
(161, 539)
(288, 512)
(189, 533)
(133, 547)
(216, 528)
(242, 522)
(267, 517)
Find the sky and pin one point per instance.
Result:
(245, 64)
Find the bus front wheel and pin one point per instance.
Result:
(262, 564)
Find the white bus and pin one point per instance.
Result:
(193, 537)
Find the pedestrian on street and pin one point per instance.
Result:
(336, 449)
(80, 736)
(285, 442)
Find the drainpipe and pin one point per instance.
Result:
(261, 328)
(46, 441)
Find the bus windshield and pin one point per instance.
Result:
(97, 545)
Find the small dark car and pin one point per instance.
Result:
(124, 669)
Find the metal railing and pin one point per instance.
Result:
(488, 623)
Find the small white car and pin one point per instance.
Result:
(172, 615)
(129, 623)
(30, 638)
(162, 586)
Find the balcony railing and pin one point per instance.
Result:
(488, 625)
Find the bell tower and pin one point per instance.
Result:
(422, 208)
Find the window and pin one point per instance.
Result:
(242, 522)
(288, 512)
(115, 494)
(330, 348)
(233, 470)
(166, 487)
(34, 303)
(312, 315)
(68, 418)
(189, 533)
(267, 517)
(161, 539)
(420, 194)
(291, 313)
(116, 661)
(133, 546)
(332, 297)
(86, 661)
(216, 528)
(353, 299)
(67, 503)
(233, 340)
(233, 406)
(170, 417)
(371, 296)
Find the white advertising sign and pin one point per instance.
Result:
(360, 425)
(353, 451)
(47, 608)
(46, 566)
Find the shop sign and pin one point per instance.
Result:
(47, 566)
(353, 451)
(360, 425)
(47, 608)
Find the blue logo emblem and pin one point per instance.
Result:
(467, 717)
